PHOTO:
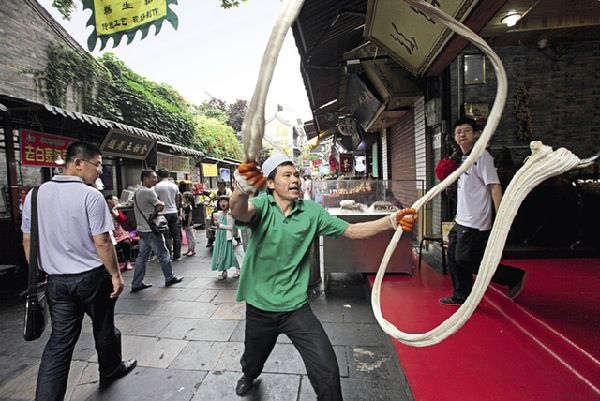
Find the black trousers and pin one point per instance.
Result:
(307, 335)
(69, 297)
(466, 247)
(125, 245)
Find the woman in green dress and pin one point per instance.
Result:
(223, 257)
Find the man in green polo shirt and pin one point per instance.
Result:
(275, 272)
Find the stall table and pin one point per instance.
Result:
(343, 255)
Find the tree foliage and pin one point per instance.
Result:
(107, 88)
(217, 139)
(134, 100)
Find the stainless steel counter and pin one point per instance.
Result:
(343, 255)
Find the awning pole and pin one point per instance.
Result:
(11, 166)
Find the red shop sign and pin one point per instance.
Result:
(39, 149)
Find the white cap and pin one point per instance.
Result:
(272, 162)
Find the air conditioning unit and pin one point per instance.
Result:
(433, 112)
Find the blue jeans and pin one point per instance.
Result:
(151, 242)
(174, 235)
(69, 297)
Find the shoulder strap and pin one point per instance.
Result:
(33, 246)
(138, 208)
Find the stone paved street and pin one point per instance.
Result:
(188, 340)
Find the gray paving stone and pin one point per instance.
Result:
(212, 330)
(174, 294)
(151, 351)
(199, 355)
(230, 358)
(185, 309)
(142, 325)
(225, 296)
(207, 296)
(178, 328)
(230, 312)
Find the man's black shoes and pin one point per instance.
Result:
(122, 370)
(243, 385)
(515, 289)
(174, 280)
(141, 287)
(451, 301)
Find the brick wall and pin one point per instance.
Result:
(564, 97)
(26, 31)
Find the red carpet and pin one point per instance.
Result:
(543, 346)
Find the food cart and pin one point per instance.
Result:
(358, 201)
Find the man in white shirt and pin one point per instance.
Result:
(478, 191)
(168, 193)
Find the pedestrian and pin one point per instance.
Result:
(77, 254)
(168, 193)
(223, 257)
(276, 269)
(145, 204)
(214, 196)
(121, 238)
(189, 204)
(478, 190)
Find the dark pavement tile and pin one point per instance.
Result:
(356, 334)
(144, 384)
(136, 306)
(219, 385)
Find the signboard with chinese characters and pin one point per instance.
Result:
(346, 163)
(123, 144)
(174, 163)
(116, 18)
(210, 170)
(39, 149)
(409, 36)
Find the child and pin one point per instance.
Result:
(223, 256)
(188, 222)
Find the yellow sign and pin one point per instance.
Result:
(210, 170)
(118, 15)
(174, 163)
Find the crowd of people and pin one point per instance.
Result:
(271, 206)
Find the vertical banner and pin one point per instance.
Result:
(45, 150)
(226, 174)
(117, 18)
(346, 163)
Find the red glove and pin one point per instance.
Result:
(249, 178)
(400, 219)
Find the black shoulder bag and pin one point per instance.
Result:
(36, 306)
(157, 222)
